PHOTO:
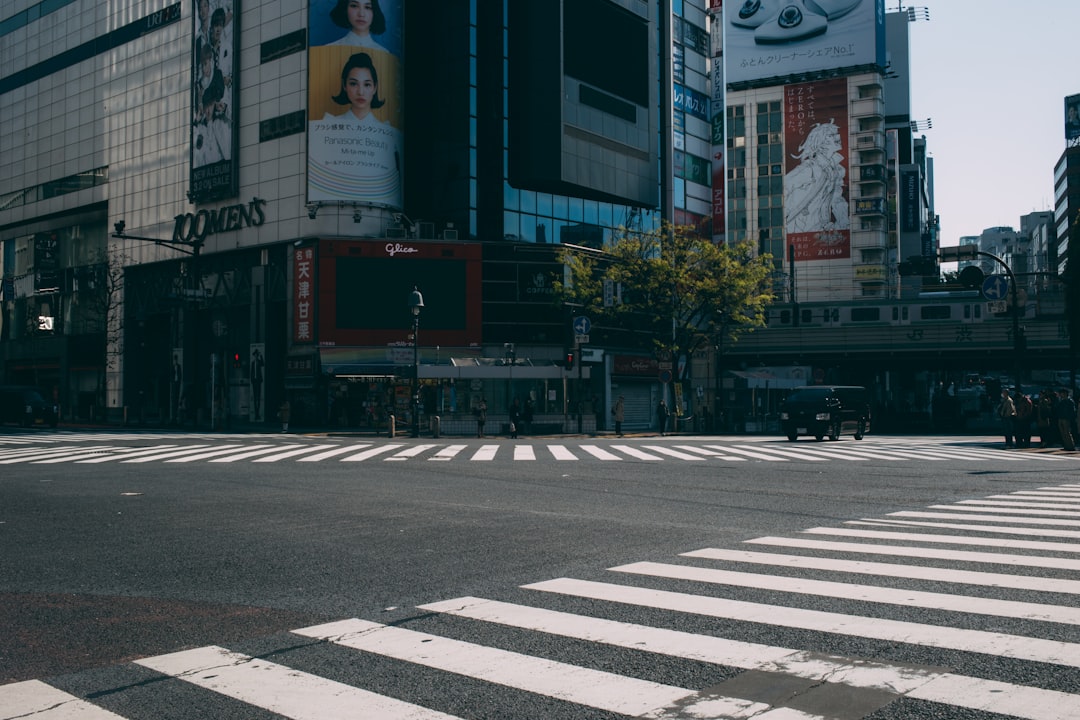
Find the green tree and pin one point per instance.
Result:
(680, 292)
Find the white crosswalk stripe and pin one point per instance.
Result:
(966, 584)
(267, 450)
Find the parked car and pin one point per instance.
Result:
(822, 410)
(25, 406)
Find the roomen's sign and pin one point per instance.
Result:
(191, 228)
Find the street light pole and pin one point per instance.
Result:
(416, 301)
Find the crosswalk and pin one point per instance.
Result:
(952, 620)
(142, 449)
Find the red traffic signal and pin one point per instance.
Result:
(569, 360)
(236, 360)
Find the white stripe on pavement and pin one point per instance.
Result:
(95, 453)
(559, 452)
(485, 453)
(35, 699)
(292, 453)
(977, 641)
(710, 453)
(599, 453)
(927, 684)
(228, 450)
(584, 686)
(1005, 510)
(256, 452)
(1020, 504)
(409, 452)
(281, 689)
(934, 553)
(51, 452)
(333, 453)
(1000, 529)
(947, 539)
(638, 454)
(747, 453)
(671, 452)
(524, 452)
(448, 453)
(852, 591)
(988, 518)
(366, 454)
(129, 453)
(173, 453)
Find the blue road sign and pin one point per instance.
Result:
(995, 287)
(582, 325)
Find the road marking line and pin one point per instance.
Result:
(409, 453)
(947, 539)
(584, 686)
(671, 452)
(938, 636)
(485, 453)
(365, 454)
(1005, 510)
(747, 453)
(333, 453)
(448, 453)
(51, 452)
(639, 454)
(967, 556)
(280, 689)
(710, 453)
(988, 518)
(205, 455)
(34, 698)
(852, 591)
(599, 453)
(291, 453)
(559, 452)
(91, 453)
(174, 453)
(252, 453)
(524, 452)
(1000, 529)
(1020, 504)
(129, 453)
(955, 690)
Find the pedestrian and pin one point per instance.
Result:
(515, 418)
(1065, 414)
(1007, 413)
(662, 414)
(480, 412)
(1044, 418)
(284, 411)
(618, 411)
(1024, 411)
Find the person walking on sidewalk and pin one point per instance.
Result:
(662, 414)
(1007, 413)
(1065, 415)
(619, 412)
(283, 414)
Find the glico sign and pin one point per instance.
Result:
(195, 227)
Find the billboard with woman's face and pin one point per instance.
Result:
(355, 113)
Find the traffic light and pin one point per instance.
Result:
(236, 360)
(569, 359)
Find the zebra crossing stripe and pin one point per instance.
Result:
(227, 450)
(408, 453)
(671, 452)
(559, 452)
(585, 686)
(862, 593)
(44, 453)
(371, 452)
(485, 453)
(280, 689)
(1000, 529)
(710, 453)
(748, 453)
(38, 700)
(897, 631)
(638, 454)
(1013, 510)
(291, 453)
(967, 556)
(127, 453)
(599, 453)
(87, 453)
(945, 539)
(448, 453)
(924, 683)
(171, 454)
(1020, 504)
(987, 518)
(332, 453)
(257, 451)
(524, 452)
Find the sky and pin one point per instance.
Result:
(992, 75)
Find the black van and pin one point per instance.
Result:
(822, 410)
(25, 406)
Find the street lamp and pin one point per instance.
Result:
(416, 301)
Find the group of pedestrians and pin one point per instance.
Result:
(1054, 414)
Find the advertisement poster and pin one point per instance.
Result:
(214, 101)
(817, 213)
(355, 108)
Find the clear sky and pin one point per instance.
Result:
(993, 75)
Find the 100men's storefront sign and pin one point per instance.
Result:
(193, 228)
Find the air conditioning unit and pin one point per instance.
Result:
(427, 230)
(449, 234)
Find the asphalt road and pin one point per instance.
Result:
(151, 575)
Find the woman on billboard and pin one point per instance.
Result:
(362, 19)
(355, 156)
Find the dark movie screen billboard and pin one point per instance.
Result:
(355, 105)
(1072, 117)
(214, 100)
